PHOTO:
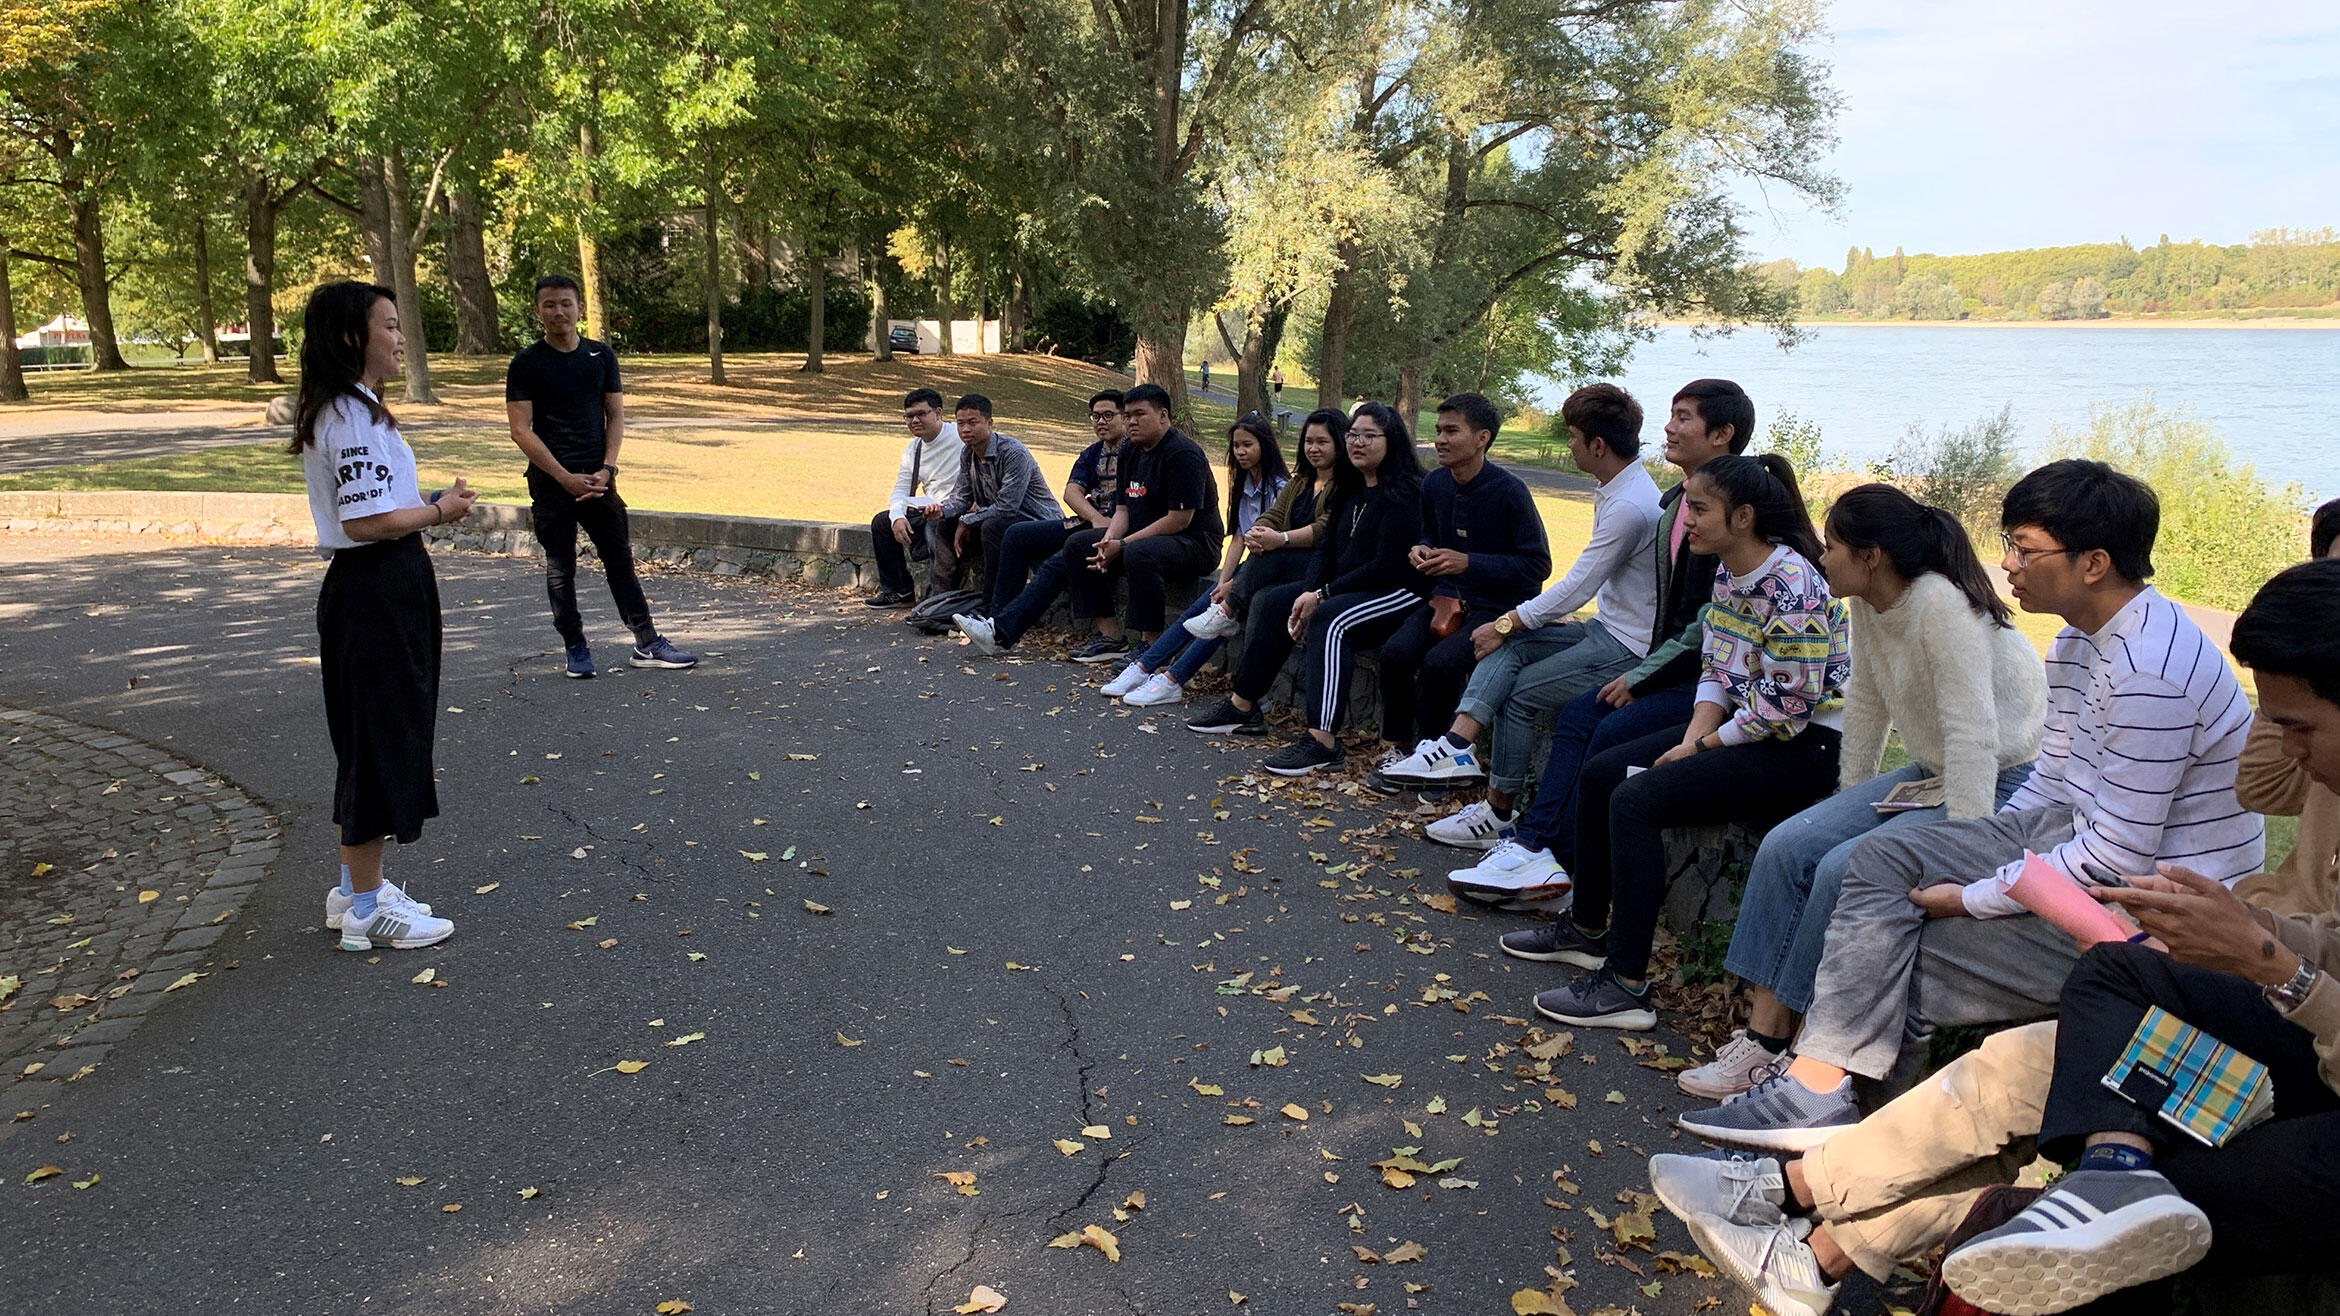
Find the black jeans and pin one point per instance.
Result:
(2273, 1191)
(1148, 565)
(557, 517)
(1621, 821)
(893, 560)
(1267, 640)
(1021, 546)
(1261, 572)
(1423, 675)
(1582, 728)
(990, 538)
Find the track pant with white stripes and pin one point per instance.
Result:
(1342, 627)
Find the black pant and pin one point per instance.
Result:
(1148, 565)
(1423, 675)
(2273, 1191)
(893, 560)
(378, 636)
(1264, 571)
(1621, 821)
(1267, 640)
(557, 518)
(1342, 627)
(990, 535)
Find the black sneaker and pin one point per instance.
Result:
(1224, 718)
(890, 598)
(1558, 942)
(1101, 649)
(1302, 757)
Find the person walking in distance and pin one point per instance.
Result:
(567, 411)
(378, 623)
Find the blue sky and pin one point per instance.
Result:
(1982, 125)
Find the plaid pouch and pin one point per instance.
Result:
(2203, 1086)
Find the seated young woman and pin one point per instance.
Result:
(1258, 486)
(1762, 741)
(1936, 658)
(1360, 588)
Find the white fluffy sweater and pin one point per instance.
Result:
(1968, 696)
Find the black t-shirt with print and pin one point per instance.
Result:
(1174, 477)
(565, 390)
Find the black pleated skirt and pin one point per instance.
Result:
(378, 636)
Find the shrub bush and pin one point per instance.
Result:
(1095, 332)
(1965, 471)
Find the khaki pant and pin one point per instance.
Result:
(1892, 1188)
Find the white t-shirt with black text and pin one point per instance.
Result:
(357, 467)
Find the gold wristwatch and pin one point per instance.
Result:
(1507, 623)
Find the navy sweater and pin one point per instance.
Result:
(1494, 520)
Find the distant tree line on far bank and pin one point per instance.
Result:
(2279, 271)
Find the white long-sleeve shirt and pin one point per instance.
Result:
(2145, 731)
(936, 462)
(1618, 569)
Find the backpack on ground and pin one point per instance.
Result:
(934, 615)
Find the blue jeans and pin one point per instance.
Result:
(1175, 643)
(1584, 727)
(1536, 672)
(1026, 543)
(1792, 886)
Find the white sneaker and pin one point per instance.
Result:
(1773, 1263)
(978, 631)
(1158, 689)
(397, 923)
(337, 904)
(1475, 828)
(1733, 1069)
(1436, 760)
(1213, 623)
(1130, 679)
(1512, 877)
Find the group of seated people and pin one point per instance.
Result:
(1740, 669)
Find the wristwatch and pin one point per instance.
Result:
(2293, 992)
(607, 467)
(1507, 623)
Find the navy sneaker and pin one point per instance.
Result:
(1101, 649)
(580, 662)
(662, 653)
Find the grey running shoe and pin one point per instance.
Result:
(1731, 1186)
(1774, 1263)
(1777, 1114)
(1598, 1001)
(1557, 942)
(1302, 757)
(2095, 1232)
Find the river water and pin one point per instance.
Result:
(2272, 394)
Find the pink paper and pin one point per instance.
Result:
(2043, 889)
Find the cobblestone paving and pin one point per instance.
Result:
(121, 873)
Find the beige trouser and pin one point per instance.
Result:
(1892, 1188)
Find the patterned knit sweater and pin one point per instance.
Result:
(1776, 653)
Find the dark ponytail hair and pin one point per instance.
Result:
(1271, 457)
(333, 355)
(1767, 483)
(1916, 539)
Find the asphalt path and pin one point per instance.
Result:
(1042, 911)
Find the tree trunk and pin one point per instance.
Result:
(714, 246)
(942, 282)
(477, 332)
(260, 277)
(1409, 394)
(89, 270)
(1340, 312)
(11, 362)
(374, 219)
(880, 333)
(753, 237)
(596, 318)
(1161, 353)
(816, 291)
(1263, 331)
(206, 324)
(402, 280)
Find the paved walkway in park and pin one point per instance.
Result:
(1071, 951)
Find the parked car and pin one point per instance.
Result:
(903, 338)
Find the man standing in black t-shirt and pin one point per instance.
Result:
(567, 412)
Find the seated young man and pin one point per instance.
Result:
(1708, 418)
(1090, 495)
(2146, 1201)
(928, 476)
(1000, 486)
(2145, 726)
(1533, 658)
(1166, 528)
(1484, 550)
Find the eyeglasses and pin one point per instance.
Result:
(1358, 432)
(2008, 547)
(1108, 414)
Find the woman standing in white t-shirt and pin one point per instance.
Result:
(378, 613)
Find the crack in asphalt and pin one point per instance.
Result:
(619, 845)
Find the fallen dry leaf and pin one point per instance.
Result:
(1097, 1131)
(1069, 1147)
(425, 976)
(1385, 1080)
(45, 1172)
(1405, 1252)
(1536, 1302)
(982, 1298)
(530, 1192)
(843, 1040)
(631, 1066)
(183, 980)
(483, 890)
(673, 1307)
(146, 896)
(410, 1180)
(1295, 1111)
(687, 1038)
(451, 1208)
(815, 907)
